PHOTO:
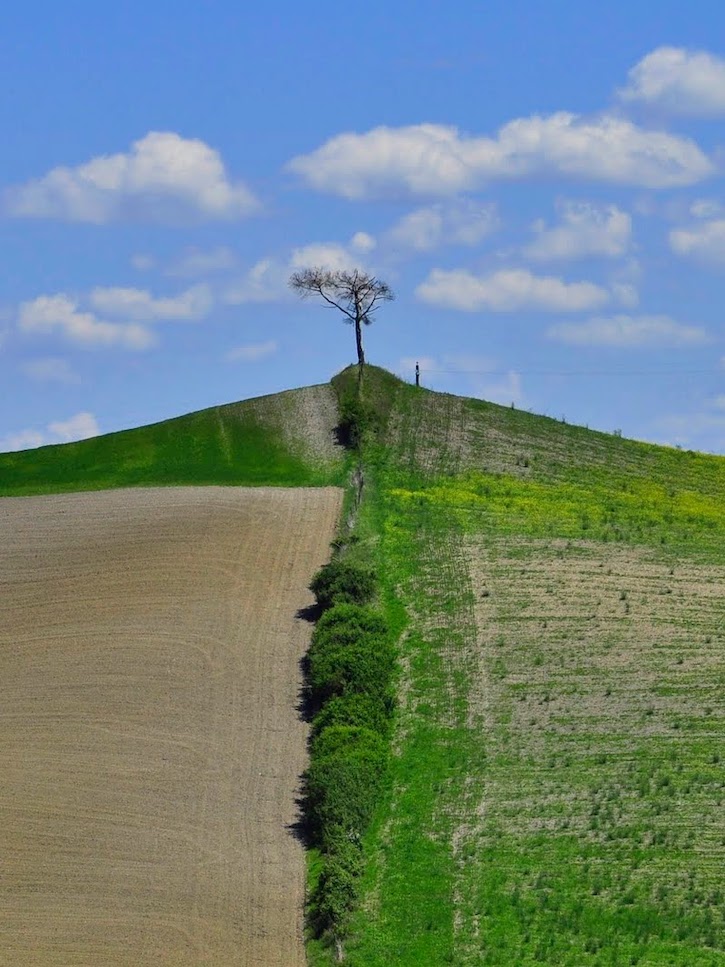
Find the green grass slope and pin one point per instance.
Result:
(286, 439)
(557, 779)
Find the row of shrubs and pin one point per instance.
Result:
(351, 666)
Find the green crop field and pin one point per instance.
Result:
(557, 596)
(557, 778)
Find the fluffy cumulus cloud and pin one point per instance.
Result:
(111, 316)
(624, 280)
(266, 281)
(508, 290)
(461, 223)
(705, 241)
(625, 294)
(61, 314)
(433, 159)
(585, 230)
(706, 208)
(624, 331)
(332, 255)
(325, 255)
(140, 306)
(679, 81)
(78, 427)
(362, 242)
(163, 177)
(252, 352)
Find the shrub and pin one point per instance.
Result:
(372, 712)
(340, 582)
(347, 623)
(357, 419)
(342, 790)
(365, 666)
(337, 888)
(344, 739)
(350, 667)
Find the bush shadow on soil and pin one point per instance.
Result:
(306, 709)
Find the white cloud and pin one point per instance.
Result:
(60, 313)
(706, 208)
(362, 242)
(140, 306)
(585, 230)
(719, 402)
(461, 223)
(78, 427)
(163, 177)
(625, 331)
(22, 440)
(623, 282)
(50, 370)
(705, 241)
(625, 294)
(195, 262)
(325, 255)
(507, 291)
(432, 159)
(252, 352)
(679, 81)
(266, 281)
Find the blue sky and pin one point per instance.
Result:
(541, 185)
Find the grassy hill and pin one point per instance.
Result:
(557, 784)
(286, 439)
(557, 787)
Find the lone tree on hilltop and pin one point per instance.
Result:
(356, 294)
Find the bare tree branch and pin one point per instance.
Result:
(354, 293)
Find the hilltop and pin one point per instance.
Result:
(285, 439)
(290, 438)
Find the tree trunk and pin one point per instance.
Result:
(358, 341)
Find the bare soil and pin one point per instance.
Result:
(150, 740)
(307, 419)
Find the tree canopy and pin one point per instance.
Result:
(356, 294)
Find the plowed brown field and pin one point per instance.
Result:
(150, 743)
